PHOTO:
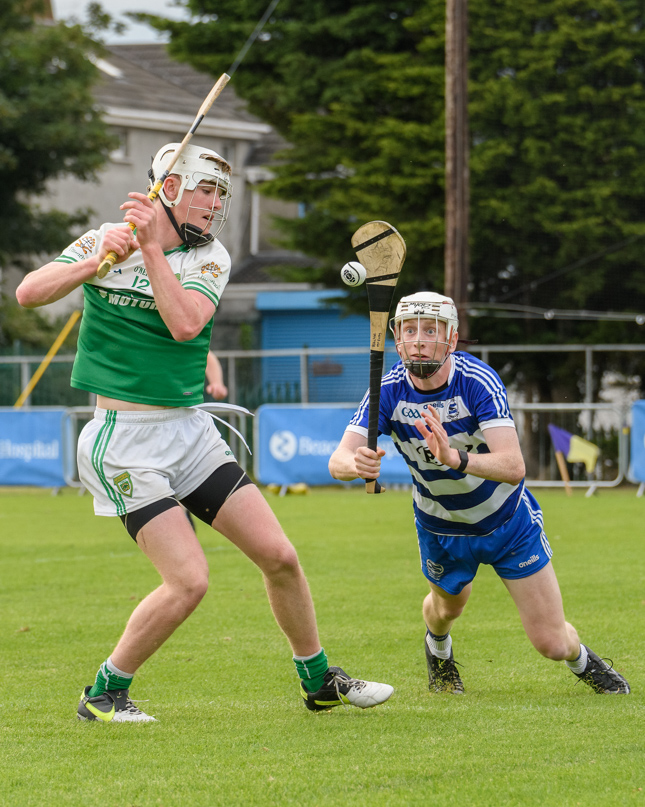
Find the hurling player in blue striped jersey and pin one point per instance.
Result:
(448, 415)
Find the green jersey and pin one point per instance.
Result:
(125, 350)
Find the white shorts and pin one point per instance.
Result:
(130, 459)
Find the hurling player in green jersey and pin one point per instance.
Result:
(143, 349)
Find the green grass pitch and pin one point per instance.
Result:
(231, 727)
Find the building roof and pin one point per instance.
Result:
(141, 84)
(146, 73)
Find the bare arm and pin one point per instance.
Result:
(184, 311)
(353, 459)
(56, 280)
(215, 377)
(504, 463)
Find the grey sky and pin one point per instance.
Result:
(66, 9)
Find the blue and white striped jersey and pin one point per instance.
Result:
(472, 400)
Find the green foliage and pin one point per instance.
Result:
(99, 21)
(557, 125)
(347, 87)
(30, 328)
(26, 332)
(557, 116)
(49, 127)
(231, 730)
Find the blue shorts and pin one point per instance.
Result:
(519, 548)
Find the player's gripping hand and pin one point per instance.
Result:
(142, 214)
(368, 462)
(433, 432)
(121, 241)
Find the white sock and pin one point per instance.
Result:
(439, 646)
(578, 665)
(116, 671)
(305, 659)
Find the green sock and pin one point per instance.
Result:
(312, 669)
(109, 677)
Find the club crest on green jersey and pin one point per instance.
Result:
(123, 483)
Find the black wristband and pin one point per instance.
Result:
(464, 456)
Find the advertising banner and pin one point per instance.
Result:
(638, 442)
(293, 443)
(30, 447)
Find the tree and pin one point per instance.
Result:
(557, 115)
(359, 104)
(49, 126)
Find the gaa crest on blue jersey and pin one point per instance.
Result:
(407, 412)
(435, 570)
(123, 483)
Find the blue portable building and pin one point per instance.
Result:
(300, 319)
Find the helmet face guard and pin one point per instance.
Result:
(195, 165)
(424, 353)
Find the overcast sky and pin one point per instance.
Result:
(66, 9)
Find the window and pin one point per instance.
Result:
(120, 153)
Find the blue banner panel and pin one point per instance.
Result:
(638, 442)
(294, 443)
(30, 448)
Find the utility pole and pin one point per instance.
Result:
(456, 258)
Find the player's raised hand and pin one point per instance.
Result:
(433, 432)
(368, 462)
(141, 213)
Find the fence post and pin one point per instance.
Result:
(304, 376)
(232, 380)
(589, 388)
(25, 375)
(588, 375)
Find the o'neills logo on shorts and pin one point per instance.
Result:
(435, 570)
(528, 562)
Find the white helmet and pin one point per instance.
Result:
(425, 305)
(195, 165)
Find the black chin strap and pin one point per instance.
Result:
(191, 236)
(423, 369)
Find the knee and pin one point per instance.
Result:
(192, 588)
(444, 608)
(450, 611)
(281, 563)
(551, 647)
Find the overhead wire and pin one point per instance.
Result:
(254, 35)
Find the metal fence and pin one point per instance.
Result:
(604, 424)
(340, 375)
(290, 375)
